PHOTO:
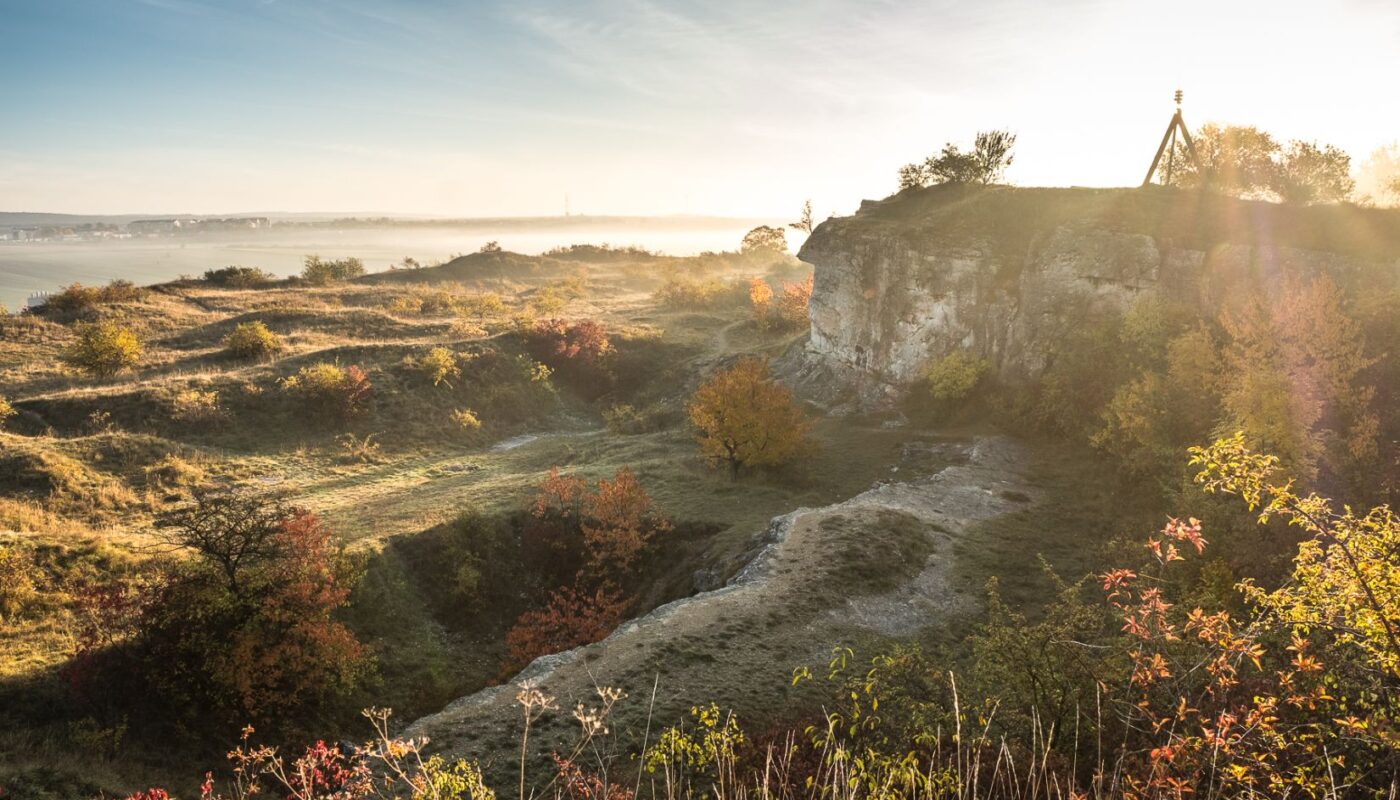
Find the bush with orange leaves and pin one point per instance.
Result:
(592, 534)
(760, 301)
(792, 304)
(585, 540)
(572, 617)
(1297, 699)
(791, 308)
(580, 351)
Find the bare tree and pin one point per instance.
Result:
(231, 530)
(804, 223)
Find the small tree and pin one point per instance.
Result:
(913, 176)
(250, 340)
(248, 623)
(991, 151)
(1309, 173)
(951, 166)
(804, 222)
(6, 410)
(764, 240)
(232, 531)
(744, 418)
(103, 349)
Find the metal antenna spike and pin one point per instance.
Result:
(1178, 97)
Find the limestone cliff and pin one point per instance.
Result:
(1002, 270)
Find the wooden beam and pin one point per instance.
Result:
(1162, 148)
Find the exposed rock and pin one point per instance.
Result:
(1001, 271)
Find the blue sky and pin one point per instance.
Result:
(641, 106)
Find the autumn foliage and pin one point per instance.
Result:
(244, 628)
(585, 540)
(570, 618)
(330, 389)
(601, 530)
(790, 310)
(746, 419)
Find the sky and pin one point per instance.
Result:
(726, 107)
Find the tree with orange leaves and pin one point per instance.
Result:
(746, 419)
(247, 627)
(599, 531)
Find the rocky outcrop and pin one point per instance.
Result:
(1003, 271)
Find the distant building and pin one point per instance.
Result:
(38, 299)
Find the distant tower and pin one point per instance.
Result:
(566, 204)
(1169, 141)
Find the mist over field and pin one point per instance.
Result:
(30, 267)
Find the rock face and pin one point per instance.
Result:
(1002, 271)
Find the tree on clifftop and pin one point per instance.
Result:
(745, 418)
(985, 163)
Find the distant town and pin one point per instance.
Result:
(140, 228)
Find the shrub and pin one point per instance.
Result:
(761, 300)
(482, 305)
(438, 366)
(76, 298)
(570, 619)
(579, 350)
(6, 410)
(466, 419)
(330, 388)
(437, 302)
(252, 340)
(103, 349)
(196, 406)
(238, 277)
(746, 419)
(320, 272)
(689, 293)
(622, 418)
(952, 378)
(792, 305)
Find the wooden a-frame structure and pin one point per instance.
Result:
(1175, 127)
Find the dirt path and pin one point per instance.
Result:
(409, 495)
(819, 577)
